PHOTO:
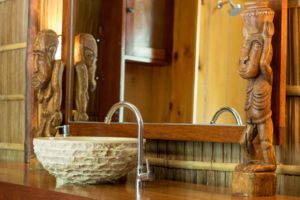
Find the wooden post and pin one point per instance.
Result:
(31, 104)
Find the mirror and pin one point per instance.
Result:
(175, 60)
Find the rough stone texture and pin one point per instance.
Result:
(86, 160)
(253, 183)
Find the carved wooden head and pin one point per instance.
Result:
(86, 53)
(258, 30)
(44, 49)
(85, 49)
(258, 17)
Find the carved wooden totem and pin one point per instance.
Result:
(47, 81)
(85, 68)
(256, 56)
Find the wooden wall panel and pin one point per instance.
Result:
(148, 87)
(13, 34)
(12, 72)
(13, 23)
(12, 122)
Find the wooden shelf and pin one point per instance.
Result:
(145, 60)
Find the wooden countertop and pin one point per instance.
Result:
(18, 182)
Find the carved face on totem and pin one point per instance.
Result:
(86, 52)
(255, 16)
(43, 56)
(258, 26)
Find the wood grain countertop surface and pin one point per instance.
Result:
(19, 182)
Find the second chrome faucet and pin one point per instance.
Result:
(227, 109)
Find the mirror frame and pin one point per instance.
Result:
(183, 132)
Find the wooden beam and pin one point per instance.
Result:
(214, 166)
(10, 47)
(181, 132)
(192, 165)
(293, 3)
(278, 64)
(293, 90)
(12, 146)
(67, 58)
(12, 97)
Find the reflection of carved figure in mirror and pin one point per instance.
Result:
(47, 81)
(85, 67)
(256, 56)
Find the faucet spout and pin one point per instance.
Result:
(65, 128)
(227, 109)
(140, 175)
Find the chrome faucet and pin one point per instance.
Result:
(65, 128)
(141, 176)
(227, 109)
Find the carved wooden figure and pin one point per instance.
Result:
(256, 56)
(85, 68)
(47, 81)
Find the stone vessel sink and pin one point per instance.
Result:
(86, 160)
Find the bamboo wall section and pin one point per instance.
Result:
(293, 79)
(13, 37)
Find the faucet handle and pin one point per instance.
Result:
(147, 175)
(150, 175)
(148, 166)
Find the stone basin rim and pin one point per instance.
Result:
(87, 139)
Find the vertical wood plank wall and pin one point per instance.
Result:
(13, 36)
(219, 83)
